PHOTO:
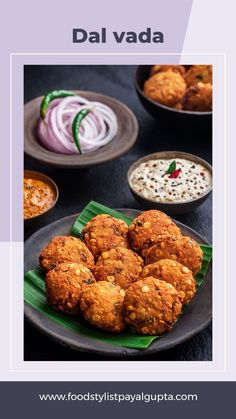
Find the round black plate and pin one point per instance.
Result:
(194, 319)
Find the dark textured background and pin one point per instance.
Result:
(107, 184)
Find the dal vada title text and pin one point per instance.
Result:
(149, 36)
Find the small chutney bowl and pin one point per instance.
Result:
(171, 208)
(42, 218)
(175, 118)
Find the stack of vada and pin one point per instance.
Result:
(117, 275)
(181, 87)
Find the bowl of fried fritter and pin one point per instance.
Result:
(118, 277)
(177, 94)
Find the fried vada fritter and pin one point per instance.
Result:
(165, 67)
(181, 249)
(145, 228)
(166, 87)
(198, 98)
(65, 249)
(102, 305)
(120, 265)
(103, 233)
(178, 106)
(151, 306)
(175, 274)
(198, 73)
(65, 284)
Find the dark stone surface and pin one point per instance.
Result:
(107, 184)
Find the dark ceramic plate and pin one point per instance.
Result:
(195, 318)
(121, 144)
(173, 117)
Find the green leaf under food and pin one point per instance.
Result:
(35, 295)
(207, 256)
(90, 211)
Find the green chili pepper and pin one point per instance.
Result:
(76, 124)
(51, 96)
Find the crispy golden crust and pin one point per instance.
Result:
(181, 249)
(103, 233)
(166, 88)
(175, 274)
(165, 67)
(179, 106)
(102, 306)
(198, 98)
(121, 266)
(151, 306)
(65, 284)
(198, 73)
(65, 249)
(147, 227)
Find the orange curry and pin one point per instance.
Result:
(38, 197)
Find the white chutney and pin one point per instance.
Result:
(151, 180)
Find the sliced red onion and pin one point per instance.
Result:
(97, 129)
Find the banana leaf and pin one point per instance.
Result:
(35, 294)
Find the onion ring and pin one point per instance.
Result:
(97, 129)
